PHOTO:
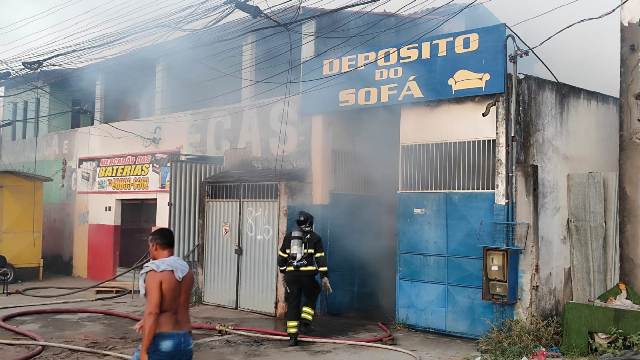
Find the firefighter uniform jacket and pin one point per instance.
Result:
(313, 261)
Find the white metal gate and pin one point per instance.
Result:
(241, 246)
(221, 263)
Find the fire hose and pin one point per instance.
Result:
(220, 328)
(122, 291)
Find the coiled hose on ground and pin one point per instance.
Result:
(252, 332)
(76, 290)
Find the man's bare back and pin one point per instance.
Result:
(175, 297)
(166, 283)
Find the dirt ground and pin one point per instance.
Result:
(115, 334)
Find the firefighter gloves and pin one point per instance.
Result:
(326, 286)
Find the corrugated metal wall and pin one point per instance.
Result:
(221, 262)
(186, 177)
(258, 263)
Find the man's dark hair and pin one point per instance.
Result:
(163, 237)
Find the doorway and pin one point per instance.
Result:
(137, 219)
(240, 270)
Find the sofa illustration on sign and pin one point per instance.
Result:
(465, 79)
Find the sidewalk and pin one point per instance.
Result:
(115, 334)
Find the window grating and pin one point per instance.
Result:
(259, 191)
(448, 166)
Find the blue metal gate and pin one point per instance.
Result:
(440, 238)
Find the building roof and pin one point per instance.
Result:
(26, 175)
(258, 176)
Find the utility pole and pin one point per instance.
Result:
(629, 192)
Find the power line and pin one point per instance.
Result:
(534, 53)
(579, 22)
(48, 12)
(545, 13)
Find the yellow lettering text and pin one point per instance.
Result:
(411, 88)
(472, 40)
(366, 58)
(409, 53)
(368, 96)
(442, 46)
(330, 66)
(426, 50)
(392, 57)
(347, 97)
(348, 62)
(385, 90)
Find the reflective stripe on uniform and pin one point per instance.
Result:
(292, 330)
(283, 268)
(307, 251)
(282, 254)
(323, 269)
(304, 268)
(319, 254)
(308, 310)
(308, 268)
(292, 323)
(307, 317)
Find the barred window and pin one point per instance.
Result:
(448, 166)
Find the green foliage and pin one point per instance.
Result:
(514, 339)
(619, 343)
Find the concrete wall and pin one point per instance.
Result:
(563, 130)
(20, 98)
(212, 131)
(447, 121)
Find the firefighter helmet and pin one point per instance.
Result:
(305, 221)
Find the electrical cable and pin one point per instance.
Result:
(534, 53)
(579, 22)
(545, 13)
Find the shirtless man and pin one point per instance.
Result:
(166, 282)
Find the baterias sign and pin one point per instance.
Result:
(468, 63)
(124, 173)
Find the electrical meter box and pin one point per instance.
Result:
(500, 275)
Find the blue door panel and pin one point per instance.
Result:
(467, 313)
(422, 305)
(440, 239)
(422, 268)
(464, 271)
(469, 222)
(422, 223)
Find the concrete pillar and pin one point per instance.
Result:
(161, 88)
(248, 68)
(308, 49)
(501, 152)
(98, 112)
(321, 172)
(321, 146)
(629, 193)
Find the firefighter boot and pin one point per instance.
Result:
(293, 340)
(306, 328)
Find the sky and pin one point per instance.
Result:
(586, 55)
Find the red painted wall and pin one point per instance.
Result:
(104, 243)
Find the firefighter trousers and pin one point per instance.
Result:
(298, 312)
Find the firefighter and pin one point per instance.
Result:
(300, 259)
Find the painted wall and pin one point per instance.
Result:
(21, 220)
(447, 121)
(564, 130)
(19, 98)
(211, 131)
